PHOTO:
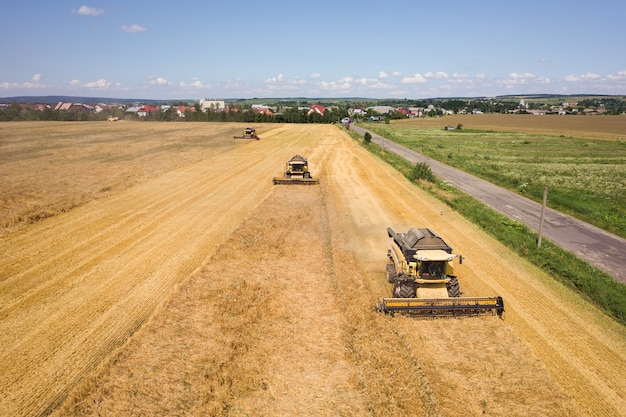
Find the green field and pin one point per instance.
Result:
(586, 178)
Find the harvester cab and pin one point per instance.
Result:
(296, 172)
(420, 269)
(248, 133)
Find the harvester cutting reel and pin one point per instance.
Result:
(435, 307)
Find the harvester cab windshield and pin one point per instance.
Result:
(432, 263)
(432, 270)
(296, 167)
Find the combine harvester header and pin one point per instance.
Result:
(424, 284)
(466, 306)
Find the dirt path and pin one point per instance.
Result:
(208, 291)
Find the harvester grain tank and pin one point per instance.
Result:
(420, 269)
(248, 133)
(296, 172)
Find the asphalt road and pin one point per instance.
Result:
(595, 246)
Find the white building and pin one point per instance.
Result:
(212, 104)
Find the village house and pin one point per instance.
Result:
(316, 108)
(357, 111)
(77, 107)
(264, 110)
(382, 109)
(416, 112)
(146, 110)
(181, 110)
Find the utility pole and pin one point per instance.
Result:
(543, 210)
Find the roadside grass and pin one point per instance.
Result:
(586, 178)
(591, 283)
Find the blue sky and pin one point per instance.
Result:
(324, 48)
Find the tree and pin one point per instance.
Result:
(315, 117)
(422, 171)
(368, 137)
(13, 113)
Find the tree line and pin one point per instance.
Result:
(293, 112)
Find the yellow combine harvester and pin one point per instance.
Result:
(248, 133)
(420, 269)
(296, 172)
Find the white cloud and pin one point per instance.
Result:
(235, 84)
(350, 85)
(335, 85)
(383, 74)
(438, 75)
(195, 83)
(276, 79)
(362, 80)
(525, 78)
(583, 77)
(316, 75)
(7, 85)
(606, 84)
(99, 84)
(413, 79)
(158, 81)
(382, 86)
(619, 76)
(134, 28)
(89, 11)
(280, 82)
(29, 85)
(374, 83)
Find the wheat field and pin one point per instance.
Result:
(170, 277)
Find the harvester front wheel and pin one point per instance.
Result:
(391, 273)
(403, 291)
(454, 290)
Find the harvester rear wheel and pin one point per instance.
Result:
(454, 290)
(391, 273)
(403, 291)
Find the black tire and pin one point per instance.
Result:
(454, 290)
(307, 175)
(403, 291)
(391, 273)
